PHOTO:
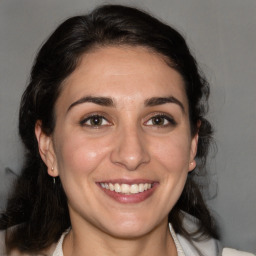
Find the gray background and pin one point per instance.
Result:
(222, 35)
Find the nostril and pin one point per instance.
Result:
(130, 160)
(130, 151)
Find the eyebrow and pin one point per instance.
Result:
(155, 101)
(108, 102)
(102, 101)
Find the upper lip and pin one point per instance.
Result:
(127, 181)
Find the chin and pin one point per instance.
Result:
(131, 232)
(130, 228)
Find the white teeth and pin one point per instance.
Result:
(127, 189)
(117, 188)
(141, 187)
(111, 187)
(134, 189)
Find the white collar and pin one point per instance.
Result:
(59, 251)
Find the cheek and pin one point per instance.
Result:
(78, 156)
(173, 152)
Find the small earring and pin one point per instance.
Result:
(53, 177)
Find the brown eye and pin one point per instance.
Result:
(161, 120)
(95, 121)
(158, 120)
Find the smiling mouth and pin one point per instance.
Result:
(127, 189)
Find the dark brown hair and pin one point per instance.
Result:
(39, 207)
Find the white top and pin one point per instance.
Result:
(209, 247)
(59, 252)
(184, 248)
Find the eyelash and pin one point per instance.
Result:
(90, 118)
(168, 121)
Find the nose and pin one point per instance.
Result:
(130, 150)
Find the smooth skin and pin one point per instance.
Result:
(122, 114)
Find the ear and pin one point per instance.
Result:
(193, 149)
(46, 150)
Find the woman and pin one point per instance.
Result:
(113, 123)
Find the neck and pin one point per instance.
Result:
(90, 241)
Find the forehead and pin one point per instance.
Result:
(124, 73)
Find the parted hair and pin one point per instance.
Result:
(37, 208)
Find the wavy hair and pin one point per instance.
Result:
(36, 206)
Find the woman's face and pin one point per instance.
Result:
(122, 144)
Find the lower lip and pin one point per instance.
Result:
(132, 198)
